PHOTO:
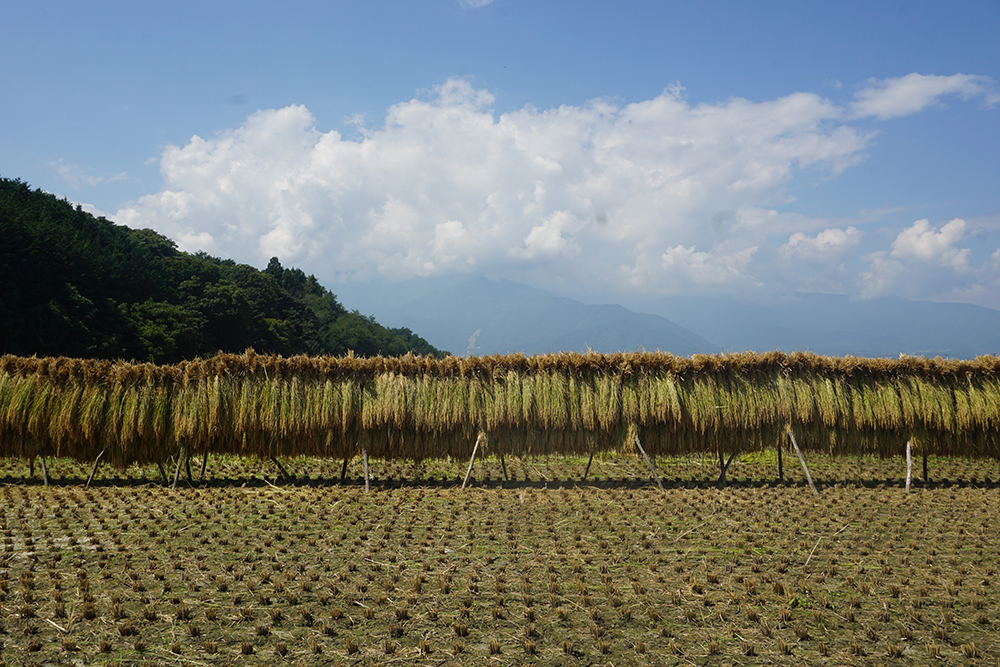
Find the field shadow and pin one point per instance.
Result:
(385, 484)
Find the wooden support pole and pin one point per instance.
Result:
(909, 464)
(364, 451)
(650, 464)
(589, 461)
(45, 470)
(94, 470)
(781, 469)
(343, 470)
(204, 463)
(802, 459)
(163, 473)
(472, 462)
(187, 467)
(723, 467)
(503, 465)
(177, 470)
(925, 470)
(31, 466)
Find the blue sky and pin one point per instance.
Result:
(613, 149)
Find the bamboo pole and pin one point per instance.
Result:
(45, 470)
(909, 465)
(802, 459)
(93, 471)
(472, 462)
(364, 451)
(589, 461)
(650, 464)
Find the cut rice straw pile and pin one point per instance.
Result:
(422, 407)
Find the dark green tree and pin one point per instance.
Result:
(75, 285)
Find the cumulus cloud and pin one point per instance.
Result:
(829, 243)
(925, 261)
(654, 195)
(890, 98)
(923, 242)
(721, 265)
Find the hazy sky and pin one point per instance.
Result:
(620, 148)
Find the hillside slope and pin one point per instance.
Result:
(75, 285)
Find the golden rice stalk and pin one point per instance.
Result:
(420, 407)
(609, 401)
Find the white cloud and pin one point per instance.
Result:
(475, 4)
(551, 238)
(829, 243)
(926, 262)
(889, 98)
(923, 242)
(93, 210)
(706, 268)
(655, 195)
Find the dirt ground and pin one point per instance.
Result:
(248, 567)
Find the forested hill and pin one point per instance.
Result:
(75, 285)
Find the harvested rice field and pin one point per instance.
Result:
(250, 567)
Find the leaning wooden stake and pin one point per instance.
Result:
(650, 464)
(504, 466)
(802, 459)
(343, 470)
(187, 467)
(472, 462)
(364, 451)
(781, 469)
(94, 470)
(177, 470)
(925, 469)
(282, 469)
(163, 473)
(589, 461)
(723, 467)
(204, 463)
(909, 464)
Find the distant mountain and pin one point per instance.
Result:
(481, 316)
(836, 325)
(511, 317)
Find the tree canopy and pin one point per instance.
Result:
(72, 284)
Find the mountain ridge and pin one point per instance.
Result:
(447, 310)
(484, 316)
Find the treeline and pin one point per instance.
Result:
(79, 286)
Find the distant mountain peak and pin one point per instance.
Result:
(490, 316)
